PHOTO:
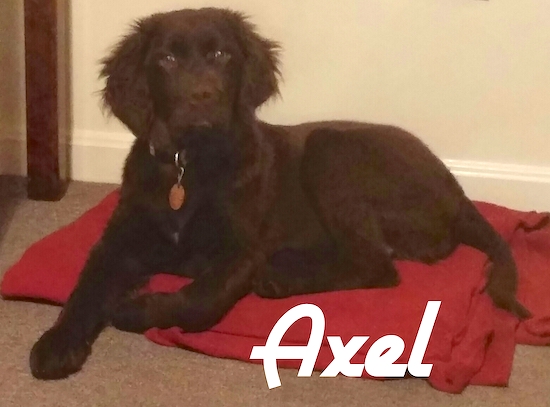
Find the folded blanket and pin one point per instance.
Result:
(472, 341)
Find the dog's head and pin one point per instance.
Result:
(190, 68)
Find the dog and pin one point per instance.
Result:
(213, 193)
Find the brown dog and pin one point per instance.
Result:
(212, 193)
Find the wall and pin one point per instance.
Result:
(12, 88)
(469, 77)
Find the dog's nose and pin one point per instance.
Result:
(202, 94)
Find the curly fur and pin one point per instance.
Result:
(277, 210)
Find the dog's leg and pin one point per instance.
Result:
(196, 307)
(332, 177)
(116, 265)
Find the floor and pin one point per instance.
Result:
(127, 370)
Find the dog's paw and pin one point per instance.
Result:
(389, 278)
(57, 354)
(279, 286)
(271, 288)
(135, 315)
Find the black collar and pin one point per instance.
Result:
(177, 158)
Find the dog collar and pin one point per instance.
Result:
(176, 196)
(177, 158)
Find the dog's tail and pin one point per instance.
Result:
(473, 230)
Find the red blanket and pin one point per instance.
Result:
(472, 341)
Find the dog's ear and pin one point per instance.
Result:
(261, 72)
(126, 92)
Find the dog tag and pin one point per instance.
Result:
(177, 196)
(177, 193)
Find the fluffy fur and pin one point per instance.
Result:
(277, 210)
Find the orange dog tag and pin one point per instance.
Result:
(177, 196)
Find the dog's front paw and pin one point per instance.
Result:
(135, 315)
(57, 354)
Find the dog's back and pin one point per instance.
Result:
(385, 181)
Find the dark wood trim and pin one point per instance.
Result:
(46, 74)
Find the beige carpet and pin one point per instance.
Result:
(127, 370)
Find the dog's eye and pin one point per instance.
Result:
(167, 61)
(219, 56)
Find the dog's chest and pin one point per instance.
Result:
(199, 222)
(175, 224)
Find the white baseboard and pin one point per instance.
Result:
(13, 152)
(522, 187)
(95, 156)
(99, 157)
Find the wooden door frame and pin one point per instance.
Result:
(47, 97)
